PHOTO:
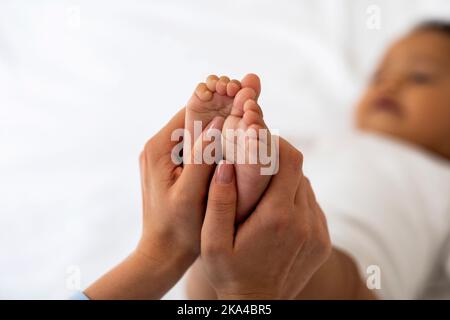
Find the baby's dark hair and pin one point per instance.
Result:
(441, 26)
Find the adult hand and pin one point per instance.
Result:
(174, 199)
(278, 248)
(174, 196)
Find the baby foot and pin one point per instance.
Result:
(211, 99)
(246, 116)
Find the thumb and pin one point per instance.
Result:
(218, 225)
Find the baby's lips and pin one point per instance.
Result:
(389, 104)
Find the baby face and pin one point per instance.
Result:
(409, 95)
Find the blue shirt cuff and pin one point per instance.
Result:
(79, 296)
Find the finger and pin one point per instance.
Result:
(159, 151)
(202, 158)
(283, 186)
(218, 226)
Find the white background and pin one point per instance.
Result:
(83, 85)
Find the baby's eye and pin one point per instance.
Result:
(420, 78)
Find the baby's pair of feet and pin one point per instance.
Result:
(236, 101)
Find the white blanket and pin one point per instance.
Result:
(387, 205)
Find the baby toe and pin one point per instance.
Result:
(221, 86)
(251, 105)
(211, 82)
(252, 81)
(252, 114)
(202, 92)
(241, 97)
(233, 87)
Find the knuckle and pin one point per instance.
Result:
(220, 205)
(142, 158)
(284, 213)
(323, 246)
(297, 158)
(326, 247)
(281, 220)
(149, 147)
(320, 241)
(307, 182)
(282, 205)
(304, 232)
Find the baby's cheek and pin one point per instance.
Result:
(425, 117)
(441, 118)
(419, 102)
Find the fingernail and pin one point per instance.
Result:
(225, 173)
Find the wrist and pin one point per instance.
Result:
(145, 274)
(164, 255)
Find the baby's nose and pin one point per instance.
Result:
(391, 85)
